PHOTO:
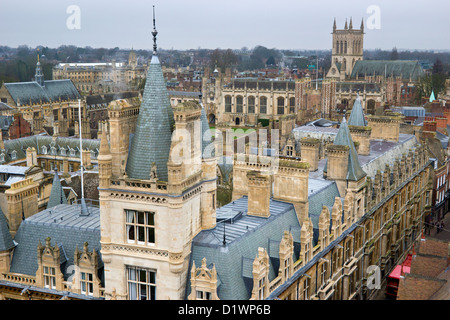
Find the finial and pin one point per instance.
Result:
(154, 32)
(38, 57)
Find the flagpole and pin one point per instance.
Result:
(81, 149)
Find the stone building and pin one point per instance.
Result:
(347, 49)
(376, 81)
(252, 102)
(102, 78)
(50, 106)
(309, 228)
(351, 212)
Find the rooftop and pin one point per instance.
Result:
(66, 228)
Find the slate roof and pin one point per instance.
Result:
(6, 241)
(53, 90)
(396, 68)
(5, 107)
(243, 235)
(20, 145)
(321, 193)
(152, 139)
(343, 138)
(357, 114)
(66, 228)
(57, 195)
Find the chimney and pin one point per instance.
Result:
(310, 152)
(259, 193)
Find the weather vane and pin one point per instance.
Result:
(154, 32)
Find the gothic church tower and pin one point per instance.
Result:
(347, 48)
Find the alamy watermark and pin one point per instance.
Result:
(73, 21)
(374, 20)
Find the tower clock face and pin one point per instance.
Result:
(333, 71)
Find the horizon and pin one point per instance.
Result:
(189, 25)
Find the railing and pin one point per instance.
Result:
(18, 278)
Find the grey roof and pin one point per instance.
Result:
(4, 106)
(66, 228)
(192, 94)
(243, 235)
(321, 193)
(397, 68)
(410, 111)
(52, 90)
(20, 145)
(6, 121)
(357, 115)
(6, 241)
(152, 138)
(343, 138)
(57, 195)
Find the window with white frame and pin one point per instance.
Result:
(87, 283)
(306, 285)
(49, 277)
(141, 284)
(140, 227)
(261, 288)
(323, 273)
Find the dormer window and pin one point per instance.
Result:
(14, 155)
(72, 152)
(53, 151)
(44, 150)
(63, 151)
(2, 157)
(49, 277)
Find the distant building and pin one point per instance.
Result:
(376, 81)
(101, 78)
(45, 103)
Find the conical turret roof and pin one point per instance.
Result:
(6, 241)
(152, 138)
(343, 138)
(357, 115)
(57, 195)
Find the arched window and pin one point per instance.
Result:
(251, 104)
(263, 105)
(239, 104)
(280, 105)
(227, 103)
(345, 47)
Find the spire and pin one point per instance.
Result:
(351, 24)
(155, 123)
(334, 25)
(346, 25)
(57, 193)
(6, 241)
(362, 25)
(432, 97)
(343, 138)
(154, 33)
(357, 115)
(39, 77)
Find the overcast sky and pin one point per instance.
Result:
(190, 24)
